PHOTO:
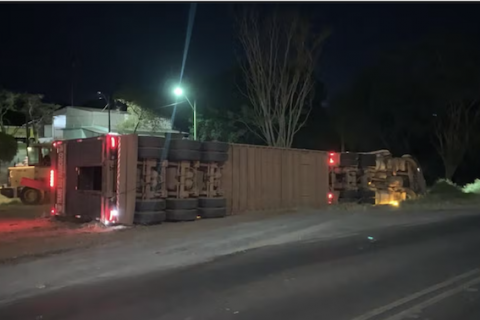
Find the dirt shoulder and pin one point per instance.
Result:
(29, 232)
(58, 255)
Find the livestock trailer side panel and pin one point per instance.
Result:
(267, 178)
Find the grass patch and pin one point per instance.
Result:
(444, 194)
(473, 187)
(4, 201)
(10, 203)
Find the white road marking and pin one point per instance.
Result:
(395, 304)
(446, 294)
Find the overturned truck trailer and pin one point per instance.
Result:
(374, 177)
(126, 179)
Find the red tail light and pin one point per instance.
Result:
(331, 158)
(330, 197)
(52, 178)
(113, 142)
(52, 212)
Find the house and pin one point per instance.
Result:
(82, 122)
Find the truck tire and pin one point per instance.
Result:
(182, 215)
(149, 217)
(7, 192)
(368, 200)
(349, 159)
(214, 157)
(210, 213)
(215, 146)
(150, 205)
(183, 144)
(366, 193)
(182, 204)
(349, 194)
(150, 153)
(367, 160)
(150, 142)
(30, 196)
(183, 155)
(212, 202)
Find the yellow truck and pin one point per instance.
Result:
(374, 177)
(30, 182)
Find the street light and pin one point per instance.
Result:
(179, 93)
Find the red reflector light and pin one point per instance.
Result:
(330, 197)
(331, 158)
(52, 178)
(113, 142)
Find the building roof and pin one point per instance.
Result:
(87, 109)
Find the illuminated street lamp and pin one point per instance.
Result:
(179, 93)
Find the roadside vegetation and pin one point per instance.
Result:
(444, 194)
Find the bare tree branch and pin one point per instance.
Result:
(280, 53)
(7, 103)
(453, 133)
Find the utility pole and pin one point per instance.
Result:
(195, 119)
(107, 100)
(109, 121)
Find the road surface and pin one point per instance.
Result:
(429, 272)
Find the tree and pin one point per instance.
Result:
(9, 147)
(37, 113)
(141, 119)
(280, 55)
(215, 125)
(7, 104)
(428, 90)
(453, 130)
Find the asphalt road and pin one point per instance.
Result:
(424, 272)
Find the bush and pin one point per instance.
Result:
(8, 147)
(473, 187)
(445, 188)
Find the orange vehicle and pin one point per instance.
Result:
(30, 182)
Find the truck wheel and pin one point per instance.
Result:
(214, 157)
(182, 204)
(349, 194)
(368, 200)
(30, 196)
(149, 205)
(150, 153)
(215, 146)
(182, 215)
(212, 202)
(367, 193)
(348, 159)
(150, 142)
(183, 144)
(183, 155)
(210, 213)
(367, 160)
(149, 217)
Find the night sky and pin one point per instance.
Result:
(141, 44)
